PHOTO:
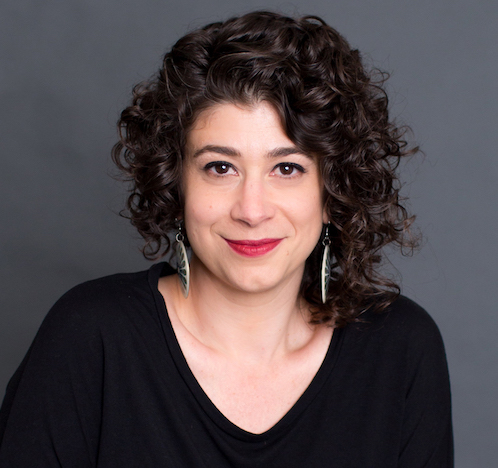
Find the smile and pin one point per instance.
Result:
(253, 248)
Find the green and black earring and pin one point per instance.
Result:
(183, 267)
(326, 262)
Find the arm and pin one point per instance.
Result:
(427, 438)
(51, 413)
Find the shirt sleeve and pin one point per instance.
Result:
(427, 437)
(51, 413)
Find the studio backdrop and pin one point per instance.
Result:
(67, 68)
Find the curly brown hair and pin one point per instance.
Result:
(330, 107)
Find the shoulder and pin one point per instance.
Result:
(400, 347)
(58, 388)
(403, 316)
(97, 300)
(97, 319)
(404, 327)
(102, 308)
(413, 323)
(99, 293)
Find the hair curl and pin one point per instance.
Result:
(330, 106)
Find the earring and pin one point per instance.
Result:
(325, 270)
(183, 267)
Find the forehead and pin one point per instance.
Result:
(238, 124)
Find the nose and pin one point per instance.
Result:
(252, 204)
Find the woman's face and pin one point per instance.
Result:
(253, 201)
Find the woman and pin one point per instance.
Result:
(264, 147)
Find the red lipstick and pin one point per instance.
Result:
(253, 248)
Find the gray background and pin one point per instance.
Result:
(67, 68)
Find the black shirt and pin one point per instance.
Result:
(105, 384)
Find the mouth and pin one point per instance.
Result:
(253, 248)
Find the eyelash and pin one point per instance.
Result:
(210, 167)
(295, 166)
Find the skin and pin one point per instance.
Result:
(253, 214)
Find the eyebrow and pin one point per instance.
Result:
(228, 151)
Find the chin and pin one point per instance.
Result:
(261, 279)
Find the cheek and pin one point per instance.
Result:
(312, 215)
(201, 212)
(308, 206)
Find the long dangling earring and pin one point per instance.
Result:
(325, 270)
(183, 268)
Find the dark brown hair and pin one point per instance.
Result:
(330, 107)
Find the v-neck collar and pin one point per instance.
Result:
(163, 269)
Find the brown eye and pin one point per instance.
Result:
(286, 169)
(221, 168)
(289, 169)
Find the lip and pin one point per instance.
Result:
(253, 248)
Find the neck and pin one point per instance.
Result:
(246, 325)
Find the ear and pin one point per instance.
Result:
(325, 216)
(325, 199)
